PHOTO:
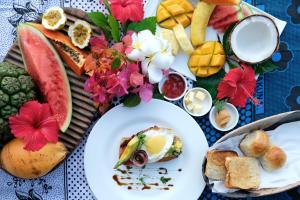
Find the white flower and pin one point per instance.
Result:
(154, 52)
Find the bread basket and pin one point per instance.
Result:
(267, 124)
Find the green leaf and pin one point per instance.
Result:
(226, 40)
(146, 24)
(265, 67)
(219, 104)
(141, 138)
(211, 83)
(115, 28)
(164, 180)
(132, 100)
(116, 63)
(107, 6)
(99, 19)
(157, 94)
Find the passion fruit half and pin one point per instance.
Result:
(80, 33)
(54, 19)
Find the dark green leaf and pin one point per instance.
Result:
(226, 40)
(157, 94)
(265, 67)
(115, 28)
(116, 63)
(132, 100)
(164, 180)
(211, 83)
(99, 19)
(146, 24)
(107, 6)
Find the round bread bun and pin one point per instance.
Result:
(273, 159)
(255, 144)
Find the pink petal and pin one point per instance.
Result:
(146, 92)
(98, 42)
(136, 79)
(119, 47)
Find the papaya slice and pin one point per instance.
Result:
(73, 56)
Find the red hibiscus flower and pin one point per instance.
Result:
(124, 10)
(238, 85)
(35, 124)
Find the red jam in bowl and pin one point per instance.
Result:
(174, 86)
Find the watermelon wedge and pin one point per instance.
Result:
(227, 15)
(222, 12)
(47, 70)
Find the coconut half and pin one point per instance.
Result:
(254, 39)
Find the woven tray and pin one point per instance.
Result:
(83, 109)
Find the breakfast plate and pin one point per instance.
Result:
(168, 180)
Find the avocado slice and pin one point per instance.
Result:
(129, 150)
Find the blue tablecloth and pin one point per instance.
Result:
(278, 91)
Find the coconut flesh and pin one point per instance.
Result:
(254, 39)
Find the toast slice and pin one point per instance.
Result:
(215, 166)
(242, 173)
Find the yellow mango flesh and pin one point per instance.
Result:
(172, 12)
(207, 59)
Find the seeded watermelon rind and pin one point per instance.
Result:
(67, 121)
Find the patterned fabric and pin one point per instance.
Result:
(278, 92)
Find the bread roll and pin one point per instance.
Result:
(242, 173)
(215, 166)
(27, 164)
(255, 144)
(273, 159)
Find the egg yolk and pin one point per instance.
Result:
(155, 144)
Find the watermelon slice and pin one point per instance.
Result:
(47, 70)
(222, 12)
(222, 25)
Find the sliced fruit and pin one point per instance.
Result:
(47, 70)
(224, 16)
(200, 20)
(172, 12)
(80, 33)
(222, 12)
(128, 152)
(223, 2)
(207, 59)
(73, 56)
(54, 18)
(170, 37)
(183, 39)
(254, 39)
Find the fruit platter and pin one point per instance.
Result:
(135, 80)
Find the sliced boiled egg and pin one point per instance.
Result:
(157, 143)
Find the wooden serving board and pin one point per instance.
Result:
(83, 108)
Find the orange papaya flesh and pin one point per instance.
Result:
(73, 56)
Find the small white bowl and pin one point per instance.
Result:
(234, 118)
(161, 83)
(207, 102)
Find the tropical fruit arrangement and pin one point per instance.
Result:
(127, 57)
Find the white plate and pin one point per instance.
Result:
(101, 152)
(181, 60)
